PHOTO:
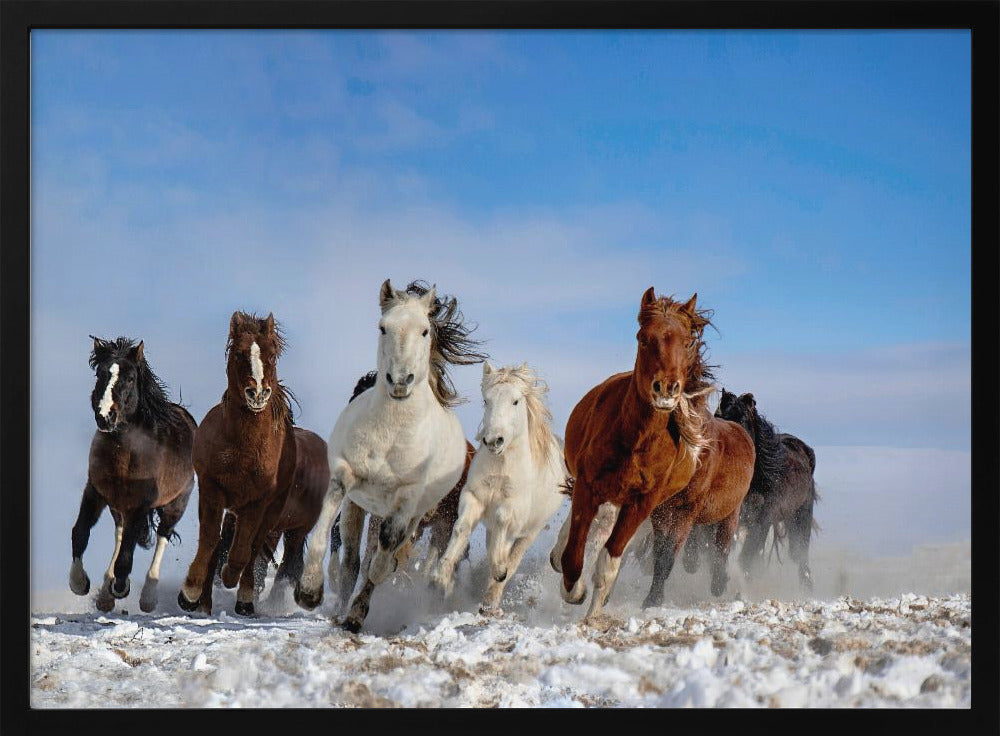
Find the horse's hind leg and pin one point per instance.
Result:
(352, 525)
(170, 514)
(91, 506)
(800, 530)
(693, 547)
(225, 542)
(470, 511)
(105, 600)
(136, 527)
(671, 529)
(573, 590)
(292, 561)
(724, 532)
(752, 553)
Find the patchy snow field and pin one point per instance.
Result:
(759, 646)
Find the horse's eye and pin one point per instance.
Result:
(515, 401)
(425, 333)
(382, 329)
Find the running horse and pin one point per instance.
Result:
(252, 461)
(140, 468)
(397, 449)
(636, 440)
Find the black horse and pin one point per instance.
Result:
(140, 467)
(781, 497)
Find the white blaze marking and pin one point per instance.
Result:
(105, 406)
(257, 367)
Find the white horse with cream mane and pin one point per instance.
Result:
(398, 448)
(516, 481)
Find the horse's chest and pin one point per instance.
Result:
(118, 467)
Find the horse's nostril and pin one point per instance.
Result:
(267, 393)
(499, 441)
(409, 378)
(675, 388)
(656, 387)
(388, 377)
(249, 393)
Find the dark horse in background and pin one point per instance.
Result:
(782, 493)
(140, 468)
(252, 461)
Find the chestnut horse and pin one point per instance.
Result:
(635, 440)
(140, 467)
(252, 460)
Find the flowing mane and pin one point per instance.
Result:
(450, 343)
(154, 409)
(280, 401)
(540, 436)
(692, 406)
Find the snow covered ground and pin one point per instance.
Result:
(875, 633)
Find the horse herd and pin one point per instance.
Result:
(642, 445)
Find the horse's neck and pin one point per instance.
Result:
(637, 420)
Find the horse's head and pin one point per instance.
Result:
(252, 358)
(669, 338)
(740, 409)
(505, 412)
(115, 397)
(404, 343)
(726, 402)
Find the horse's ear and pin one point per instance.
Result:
(648, 297)
(689, 305)
(487, 368)
(748, 400)
(269, 323)
(235, 322)
(136, 353)
(428, 299)
(97, 343)
(386, 294)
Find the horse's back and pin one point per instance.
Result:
(796, 445)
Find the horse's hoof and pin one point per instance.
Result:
(185, 604)
(652, 601)
(806, 580)
(147, 599)
(351, 624)
(719, 585)
(244, 609)
(79, 585)
(490, 610)
(118, 592)
(500, 576)
(556, 562)
(105, 601)
(307, 599)
(567, 595)
(690, 567)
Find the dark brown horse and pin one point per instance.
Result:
(635, 439)
(712, 500)
(252, 461)
(140, 468)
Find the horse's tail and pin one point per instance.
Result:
(150, 527)
(364, 383)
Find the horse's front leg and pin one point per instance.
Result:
(196, 590)
(91, 506)
(573, 589)
(495, 589)
(252, 532)
(470, 511)
(309, 588)
(631, 515)
(395, 529)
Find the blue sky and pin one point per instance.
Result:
(812, 187)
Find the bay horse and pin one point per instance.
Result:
(139, 467)
(254, 462)
(635, 440)
(515, 482)
(439, 520)
(398, 449)
(783, 490)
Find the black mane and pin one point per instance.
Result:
(154, 410)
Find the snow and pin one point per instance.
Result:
(762, 645)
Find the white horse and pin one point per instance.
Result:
(516, 481)
(398, 448)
